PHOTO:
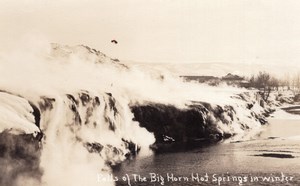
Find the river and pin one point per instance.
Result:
(272, 157)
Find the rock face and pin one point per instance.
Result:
(19, 156)
(200, 120)
(50, 139)
(297, 98)
(88, 123)
(75, 112)
(167, 120)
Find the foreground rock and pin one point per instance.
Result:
(201, 121)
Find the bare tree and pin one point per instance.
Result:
(287, 81)
(274, 83)
(296, 84)
(265, 83)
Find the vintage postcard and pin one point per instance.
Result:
(149, 92)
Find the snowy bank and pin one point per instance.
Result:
(77, 111)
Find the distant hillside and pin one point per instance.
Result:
(218, 69)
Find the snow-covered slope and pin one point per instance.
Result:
(78, 111)
(220, 69)
(16, 115)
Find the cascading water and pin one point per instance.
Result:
(69, 113)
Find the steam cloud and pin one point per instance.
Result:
(83, 97)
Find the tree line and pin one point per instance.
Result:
(265, 82)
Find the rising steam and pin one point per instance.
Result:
(75, 101)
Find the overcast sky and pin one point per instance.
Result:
(246, 31)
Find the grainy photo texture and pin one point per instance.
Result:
(149, 92)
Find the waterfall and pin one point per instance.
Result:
(67, 114)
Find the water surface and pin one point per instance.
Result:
(275, 152)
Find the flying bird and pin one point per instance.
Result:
(114, 41)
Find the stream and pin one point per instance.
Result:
(271, 157)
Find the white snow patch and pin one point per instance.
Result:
(16, 115)
(281, 114)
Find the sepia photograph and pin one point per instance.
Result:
(149, 93)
